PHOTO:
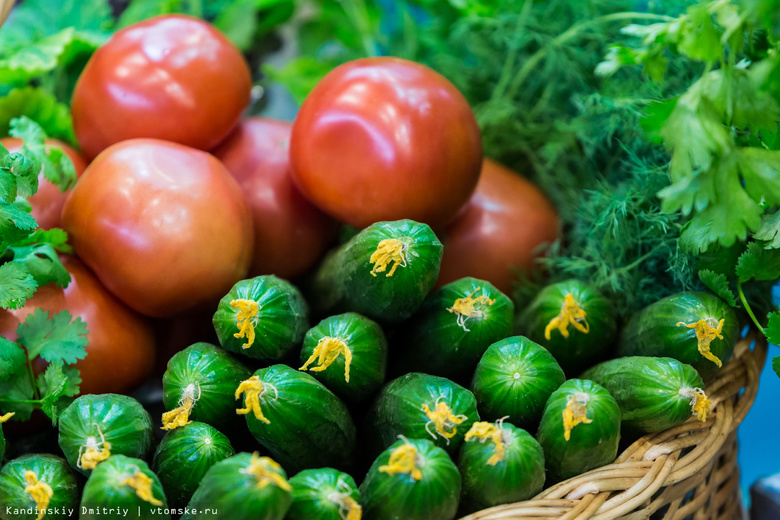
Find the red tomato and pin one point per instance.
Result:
(500, 229)
(165, 227)
(170, 77)
(291, 235)
(120, 353)
(385, 139)
(47, 202)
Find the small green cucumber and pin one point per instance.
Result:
(454, 327)
(348, 354)
(514, 379)
(33, 487)
(324, 494)
(572, 320)
(96, 426)
(580, 429)
(696, 328)
(242, 486)
(184, 456)
(297, 419)
(263, 317)
(384, 272)
(123, 485)
(413, 479)
(654, 394)
(421, 406)
(500, 463)
(198, 385)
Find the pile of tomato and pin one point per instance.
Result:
(179, 195)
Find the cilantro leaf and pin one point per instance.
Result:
(759, 263)
(16, 285)
(14, 391)
(40, 106)
(769, 232)
(760, 169)
(12, 359)
(55, 338)
(56, 384)
(42, 262)
(7, 186)
(776, 365)
(718, 283)
(700, 39)
(55, 237)
(772, 329)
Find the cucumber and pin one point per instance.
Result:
(263, 317)
(654, 394)
(198, 385)
(242, 486)
(499, 463)
(183, 457)
(348, 354)
(421, 406)
(572, 320)
(580, 429)
(413, 479)
(297, 419)
(33, 487)
(384, 272)
(324, 494)
(454, 327)
(514, 378)
(696, 328)
(94, 427)
(123, 485)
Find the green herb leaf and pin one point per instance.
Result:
(55, 385)
(760, 169)
(759, 263)
(13, 392)
(776, 365)
(40, 106)
(719, 284)
(16, 285)
(769, 232)
(55, 339)
(12, 359)
(700, 39)
(772, 329)
(138, 10)
(42, 262)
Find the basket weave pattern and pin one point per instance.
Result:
(688, 472)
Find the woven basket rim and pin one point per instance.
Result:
(662, 461)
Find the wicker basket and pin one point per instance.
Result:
(688, 472)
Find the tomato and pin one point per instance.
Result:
(47, 202)
(170, 77)
(385, 139)
(164, 226)
(121, 348)
(291, 235)
(500, 229)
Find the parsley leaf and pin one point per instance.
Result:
(776, 365)
(15, 394)
(718, 283)
(772, 330)
(56, 385)
(40, 106)
(12, 359)
(759, 263)
(42, 262)
(16, 285)
(769, 232)
(55, 338)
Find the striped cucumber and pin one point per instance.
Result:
(653, 393)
